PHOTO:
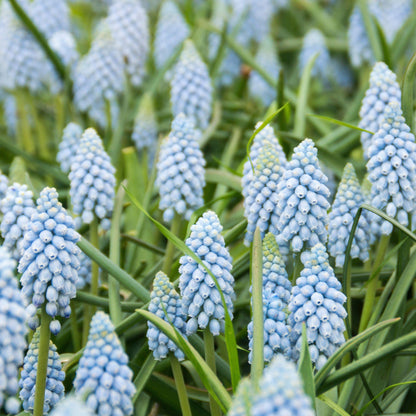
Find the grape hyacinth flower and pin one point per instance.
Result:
(68, 146)
(71, 406)
(165, 300)
(54, 378)
(92, 180)
(190, 87)
(50, 261)
(348, 199)
(4, 184)
(200, 297)
(317, 302)
(50, 16)
(383, 89)
(392, 168)
(180, 170)
(303, 200)
(103, 376)
(242, 399)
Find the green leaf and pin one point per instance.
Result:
(305, 368)
(408, 93)
(333, 405)
(340, 123)
(143, 375)
(225, 178)
(371, 30)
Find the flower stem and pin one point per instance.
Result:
(210, 360)
(24, 129)
(76, 340)
(170, 248)
(180, 386)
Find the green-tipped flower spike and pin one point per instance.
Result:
(347, 201)
(243, 399)
(54, 378)
(69, 146)
(103, 376)
(190, 87)
(4, 184)
(72, 406)
(166, 304)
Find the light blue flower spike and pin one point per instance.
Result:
(200, 296)
(165, 300)
(103, 376)
(317, 302)
(242, 399)
(180, 170)
(383, 89)
(392, 168)
(348, 199)
(68, 146)
(50, 16)
(303, 200)
(54, 378)
(72, 406)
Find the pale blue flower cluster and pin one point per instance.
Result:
(71, 406)
(317, 302)
(92, 180)
(348, 199)
(242, 399)
(392, 168)
(55, 376)
(4, 184)
(180, 170)
(200, 297)
(303, 200)
(103, 376)
(50, 16)
(50, 261)
(68, 146)
(166, 303)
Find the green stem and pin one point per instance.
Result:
(180, 386)
(210, 360)
(42, 140)
(297, 269)
(76, 339)
(170, 248)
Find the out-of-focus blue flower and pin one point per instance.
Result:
(392, 168)
(4, 184)
(50, 16)
(348, 199)
(373, 220)
(50, 261)
(165, 300)
(303, 200)
(180, 170)
(84, 272)
(10, 114)
(68, 146)
(55, 376)
(280, 4)
(219, 16)
(64, 44)
(242, 399)
(103, 376)
(317, 302)
(71, 406)
(92, 180)
(200, 297)
(341, 72)
(12, 406)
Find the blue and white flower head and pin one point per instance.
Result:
(103, 375)
(392, 168)
(242, 399)
(50, 261)
(71, 406)
(17, 208)
(68, 146)
(54, 378)
(165, 300)
(281, 391)
(180, 170)
(383, 89)
(190, 87)
(171, 31)
(317, 302)
(303, 200)
(130, 29)
(92, 180)
(348, 199)
(50, 16)
(200, 297)
(4, 185)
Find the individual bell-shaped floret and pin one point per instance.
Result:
(317, 302)
(4, 184)
(103, 376)
(180, 170)
(242, 399)
(190, 87)
(68, 146)
(50, 16)
(71, 406)
(303, 200)
(50, 261)
(92, 180)
(166, 303)
(383, 89)
(200, 296)
(392, 168)
(54, 378)
(348, 199)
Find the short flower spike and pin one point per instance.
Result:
(69, 146)
(103, 376)
(317, 301)
(200, 296)
(72, 406)
(165, 300)
(243, 398)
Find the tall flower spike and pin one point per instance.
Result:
(68, 146)
(54, 378)
(72, 406)
(200, 296)
(392, 168)
(317, 301)
(165, 300)
(383, 89)
(4, 184)
(281, 391)
(103, 375)
(190, 87)
(347, 201)
(303, 200)
(50, 261)
(180, 170)
(92, 180)
(242, 400)
(130, 28)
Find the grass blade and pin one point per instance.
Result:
(333, 405)
(340, 123)
(305, 368)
